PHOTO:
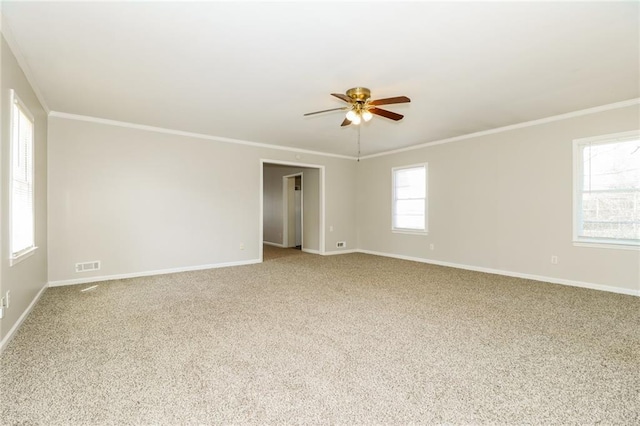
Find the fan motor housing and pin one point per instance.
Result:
(359, 94)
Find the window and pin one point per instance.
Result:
(410, 199)
(607, 189)
(21, 192)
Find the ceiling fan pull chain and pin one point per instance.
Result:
(359, 143)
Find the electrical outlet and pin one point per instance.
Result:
(341, 244)
(4, 304)
(554, 260)
(241, 246)
(330, 228)
(432, 246)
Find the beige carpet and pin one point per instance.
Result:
(304, 339)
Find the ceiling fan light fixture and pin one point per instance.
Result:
(353, 117)
(366, 115)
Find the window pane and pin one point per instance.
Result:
(610, 190)
(611, 215)
(409, 222)
(410, 207)
(22, 213)
(410, 183)
(611, 166)
(410, 191)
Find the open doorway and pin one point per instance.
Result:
(293, 211)
(292, 206)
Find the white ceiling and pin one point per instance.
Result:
(250, 71)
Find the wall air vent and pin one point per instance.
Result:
(88, 266)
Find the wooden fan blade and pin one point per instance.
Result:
(343, 97)
(326, 110)
(387, 101)
(387, 114)
(346, 122)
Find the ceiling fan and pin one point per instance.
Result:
(361, 107)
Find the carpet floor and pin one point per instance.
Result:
(307, 339)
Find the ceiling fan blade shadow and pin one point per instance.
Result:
(343, 97)
(387, 101)
(326, 110)
(386, 114)
(346, 122)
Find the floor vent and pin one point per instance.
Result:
(88, 266)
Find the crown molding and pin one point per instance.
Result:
(144, 127)
(7, 33)
(579, 113)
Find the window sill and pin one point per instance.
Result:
(606, 245)
(14, 260)
(409, 231)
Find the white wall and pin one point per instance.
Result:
(142, 201)
(26, 279)
(501, 202)
(311, 209)
(272, 203)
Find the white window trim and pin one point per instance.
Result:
(24, 254)
(395, 230)
(577, 193)
(18, 257)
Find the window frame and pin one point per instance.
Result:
(398, 230)
(20, 255)
(578, 175)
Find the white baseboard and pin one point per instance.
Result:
(331, 253)
(269, 243)
(148, 273)
(582, 284)
(312, 251)
(5, 341)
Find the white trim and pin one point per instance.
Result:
(126, 124)
(332, 253)
(14, 260)
(579, 113)
(15, 99)
(322, 177)
(612, 138)
(311, 251)
(285, 213)
(409, 232)
(261, 214)
(22, 62)
(612, 245)
(551, 280)
(5, 341)
(269, 243)
(149, 273)
(285, 209)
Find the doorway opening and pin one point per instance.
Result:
(292, 206)
(293, 212)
